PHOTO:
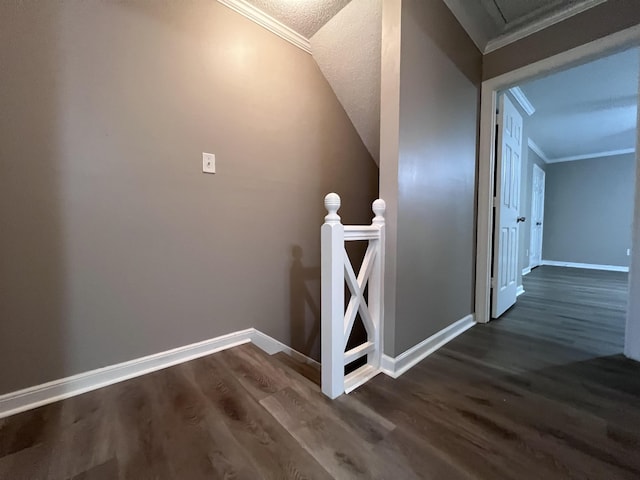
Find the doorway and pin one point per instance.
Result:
(487, 167)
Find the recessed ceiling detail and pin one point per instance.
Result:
(493, 24)
(511, 13)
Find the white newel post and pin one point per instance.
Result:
(376, 281)
(337, 322)
(332, 285)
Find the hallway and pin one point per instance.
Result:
(543, 392)
(540, 394)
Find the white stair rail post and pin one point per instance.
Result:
(332, 288)
(376, 282)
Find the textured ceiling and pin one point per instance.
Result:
(586, 109)
(304, 16)
(348, 51)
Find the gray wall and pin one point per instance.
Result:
(589, 210)
(440, 70)
(114, 245)
(597, 22)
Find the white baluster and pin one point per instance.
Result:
(376, 283)
(332, 285)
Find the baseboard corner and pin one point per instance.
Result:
(32, 397)
(394, 367)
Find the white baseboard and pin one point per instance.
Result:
(32, 397)
(520, 290)
(361, 376)
(588, 266)
(394, 367)
(272, 346)
(526, 271)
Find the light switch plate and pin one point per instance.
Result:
(208, 163)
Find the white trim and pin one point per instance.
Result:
(360, 377)
(588, 266)
(520, 290)
(523, 100)
(526, 271)
(529, 29)
(394, 367)
(608, 153)
(534, 146)
(32, 397)
(592, 50)
(272, 346)
(266, 21)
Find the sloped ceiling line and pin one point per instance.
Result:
(266, 21)
(346, 48)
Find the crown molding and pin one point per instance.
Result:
(266, 21)
(523, 100)
(608, 153)
(506, 39)
(587, 156)
(534, 146)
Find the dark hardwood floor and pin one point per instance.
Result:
(543, 393)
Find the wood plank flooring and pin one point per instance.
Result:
(542, 393)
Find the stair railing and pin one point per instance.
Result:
(338, 321)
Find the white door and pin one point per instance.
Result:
(537, 216)
(507, 206)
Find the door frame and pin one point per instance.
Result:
(487, 162)
(533, 194)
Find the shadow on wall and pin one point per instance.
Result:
(114, 245)
(305, 305)
(32, 266)
(305, 299)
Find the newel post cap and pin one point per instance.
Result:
(332, 204)
(379, 207)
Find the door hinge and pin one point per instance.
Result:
(494, 203)
(493, 282)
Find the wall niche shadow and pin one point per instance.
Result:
(304, 295)
(304, 312)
